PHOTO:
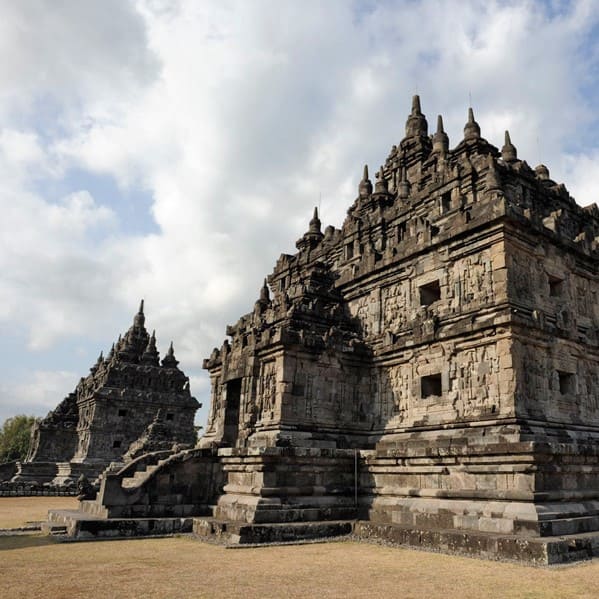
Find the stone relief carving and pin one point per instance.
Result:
(473, 279)
(474, 374)
(360, 309)
(396, 303)
(267, 389)
(520, 276)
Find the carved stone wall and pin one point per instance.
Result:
(326, 392)
(431, 367)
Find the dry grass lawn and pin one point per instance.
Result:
(37, 566)
(17, 511)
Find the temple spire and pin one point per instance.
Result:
(151, 355)
(416, 125)
(509, 152)
(314, 223)
(140, 318)
(416, 105)
(98, 363)
(381, 185)
(169, 361)
(264, 292)
(312, 237)
(440, 138)
(365, 187)
(472, 128)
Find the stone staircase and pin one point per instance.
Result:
(56, 530)
(142, 497)
(140, 476)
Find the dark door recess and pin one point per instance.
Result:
(232, 412)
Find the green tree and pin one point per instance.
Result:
(15, 436)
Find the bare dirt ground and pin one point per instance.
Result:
(37, 566)
(17, 511)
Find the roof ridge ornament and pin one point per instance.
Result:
(365, 187)
(169, 361)
(440, 138)
(416, 125)
(381, 185)
(315, 223)
(472, 128)
(508, 151)
(140, 319)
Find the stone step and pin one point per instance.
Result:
(242, 533)
(138, 477)
(157, 510)
(111, 528)
(56, 531)
(91, 506)
(54, 528)
(568, 526)
(536, 550)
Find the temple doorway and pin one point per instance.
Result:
(232, 412)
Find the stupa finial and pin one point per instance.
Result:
(440, 138)
(365, 187)
(472, 128)
(509, 152)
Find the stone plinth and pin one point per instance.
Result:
(287, 485)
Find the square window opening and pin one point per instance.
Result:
(116, 444)
(556, 286)
(430, 293)
(298, 389)
(446, 201)
(170, 416)
(122, 413)
(430, 386)
(566, 382)
(401, 231)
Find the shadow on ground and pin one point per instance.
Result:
(8, 543)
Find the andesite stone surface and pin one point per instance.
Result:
(431, 369)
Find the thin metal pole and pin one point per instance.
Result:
(356, 478)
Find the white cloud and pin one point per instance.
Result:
(62, 55)
(40, 394)
(236, 118)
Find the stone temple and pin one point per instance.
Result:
(427, 374)
(113, 413)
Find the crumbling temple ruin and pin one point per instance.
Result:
(113, 413)
(427, 374)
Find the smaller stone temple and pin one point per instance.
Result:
(113, 412)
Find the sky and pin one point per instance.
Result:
(172, 150)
